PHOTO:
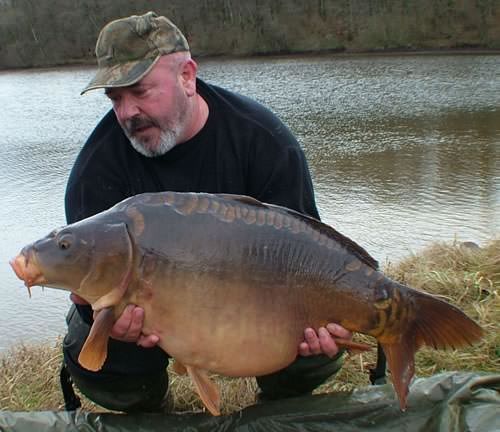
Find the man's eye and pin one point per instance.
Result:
(140, 91)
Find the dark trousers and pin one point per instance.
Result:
(126, 384)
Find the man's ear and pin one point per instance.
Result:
(188, 77)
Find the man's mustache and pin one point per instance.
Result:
(136, 123)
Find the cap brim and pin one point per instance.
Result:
(121, 75)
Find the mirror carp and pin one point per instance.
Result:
(229, 284)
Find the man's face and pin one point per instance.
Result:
(152, 112)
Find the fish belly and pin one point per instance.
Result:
(235, 329)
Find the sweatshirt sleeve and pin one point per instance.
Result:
(280, 175)
(95, 184)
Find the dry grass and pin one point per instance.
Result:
(29, 378)
(469, 278)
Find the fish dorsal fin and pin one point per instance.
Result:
(331, 233)
(323, 228)
(185, 204)
(244, 199)
(95, 349)
(206, 388)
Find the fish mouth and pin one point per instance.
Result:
(27, 270)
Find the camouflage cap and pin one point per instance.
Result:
(128, 48)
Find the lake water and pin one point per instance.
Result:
(404, 150)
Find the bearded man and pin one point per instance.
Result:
(170, 131)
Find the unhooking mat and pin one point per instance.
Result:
(451, 402)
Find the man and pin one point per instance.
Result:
(169, 130)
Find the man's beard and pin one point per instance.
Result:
(167, 140)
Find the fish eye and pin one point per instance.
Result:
(65, 241)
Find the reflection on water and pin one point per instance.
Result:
(404, 150)
(443, 181)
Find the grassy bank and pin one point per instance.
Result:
(468, 277)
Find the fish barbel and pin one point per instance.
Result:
(254, 275)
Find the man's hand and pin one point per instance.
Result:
(323, 342)
(128, 327)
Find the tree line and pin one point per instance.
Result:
(55, 32)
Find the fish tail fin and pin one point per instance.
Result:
(441, 325)
(434, 323)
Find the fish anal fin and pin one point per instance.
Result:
(206, 388)
(432, 322)
(179, 368)
(95, 349)
(401, 361)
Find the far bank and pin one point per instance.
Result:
(37, 37)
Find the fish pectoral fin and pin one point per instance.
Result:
(110, 299)
(179, 368)
(95, 349)
(206, 388)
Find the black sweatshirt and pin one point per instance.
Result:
(242, 149)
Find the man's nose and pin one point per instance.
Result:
(126, 109)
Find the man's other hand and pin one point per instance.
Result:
(323, 342)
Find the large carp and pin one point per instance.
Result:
(229, 284)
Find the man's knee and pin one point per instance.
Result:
(301, 377)
(128, 393)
